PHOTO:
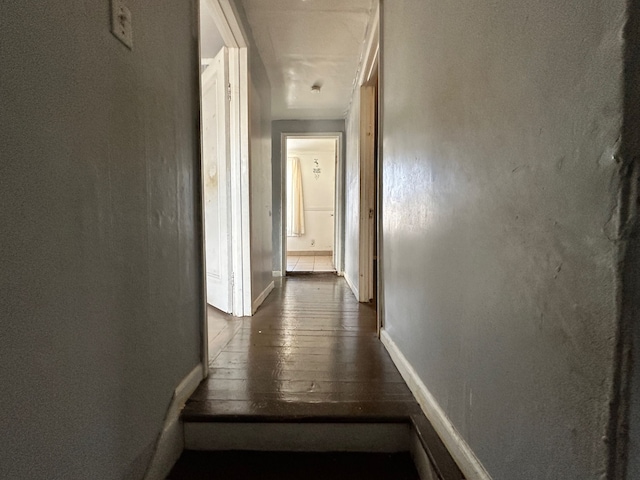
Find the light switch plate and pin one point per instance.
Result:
(121, 26)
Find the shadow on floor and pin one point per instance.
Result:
(293, 466)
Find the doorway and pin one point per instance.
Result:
(310, 167)
(224, 166)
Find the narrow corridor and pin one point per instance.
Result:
(310, 350)
(304, 379)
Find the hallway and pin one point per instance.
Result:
(507, 229)
(307, 373)
(311, 350)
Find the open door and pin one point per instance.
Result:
(216, 182)
(368, 150)
(368, 163)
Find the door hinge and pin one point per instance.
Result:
(233, 280)
(371, 213)
(229, 92)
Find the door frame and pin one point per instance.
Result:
(367, 153)
(236, 40)
(338, 208)
(370, 178)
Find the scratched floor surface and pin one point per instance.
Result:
(311, 350)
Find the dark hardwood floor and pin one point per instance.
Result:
(309, 355)
(310, 352)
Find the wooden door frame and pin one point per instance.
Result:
(338, 208)
(368, 149)
(235, 39)
(367, 191)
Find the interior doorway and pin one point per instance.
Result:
(369, 246)
(224, 171)
(310, 233)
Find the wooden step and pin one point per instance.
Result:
(293, 466)
(307, 373)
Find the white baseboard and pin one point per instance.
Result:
(457, 446)
(261, 298)
(353, 289)
(277, 273)
(298, 437)
(171, 440)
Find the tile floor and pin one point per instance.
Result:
(310, 263)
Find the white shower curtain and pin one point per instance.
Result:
(295, 200)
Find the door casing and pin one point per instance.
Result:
(235, 39)
(338, 235)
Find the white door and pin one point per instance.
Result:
(216, 185)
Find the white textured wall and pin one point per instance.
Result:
(630, 155)
(352, 196)
(319, 197)
(501, 182)
(100, 284)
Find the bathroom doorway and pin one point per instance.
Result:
(310, 200)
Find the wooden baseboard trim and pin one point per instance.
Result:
(353, 289)
(261, 298)
(171, 440)
(457, 446)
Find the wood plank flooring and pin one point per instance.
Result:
(309, 354)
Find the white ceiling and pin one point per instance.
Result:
(303, 42)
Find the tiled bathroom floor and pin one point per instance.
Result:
(310, 263)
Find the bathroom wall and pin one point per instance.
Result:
(319, 198)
